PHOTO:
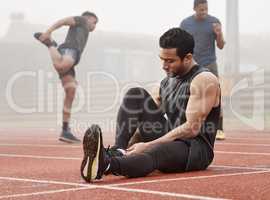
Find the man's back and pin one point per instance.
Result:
(204, 36)
(77, 35)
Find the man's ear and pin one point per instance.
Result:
(189, 56)
(188, 59)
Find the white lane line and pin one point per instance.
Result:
(42, 145)
(28, 139)
(190, 178)
(239, 167)
(149, 181)
(170, 194)
(86, 187)
(248, 138)
(117, 186)
(240, 144)
(43, 193)
(46, 182)
(180, 178)
(39, 157)
(243, 153)
(77, 158)
(79, 146)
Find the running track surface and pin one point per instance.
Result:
(34, 165)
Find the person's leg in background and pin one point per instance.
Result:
(69, 84)
(64, 60)
(220, 132)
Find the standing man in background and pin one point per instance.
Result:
(206, 31)
(66, 57)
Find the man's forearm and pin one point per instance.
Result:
(220, 41)
(185, 131)
(55, 26)
(63, 22)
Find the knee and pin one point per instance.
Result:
(59, 66)
(136, 91)
(70, 93)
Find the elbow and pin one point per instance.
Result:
(194, 129)
(195, 133)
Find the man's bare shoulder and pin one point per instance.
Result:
(205, 77)
(205, 81)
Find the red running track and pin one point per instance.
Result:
(34, 165)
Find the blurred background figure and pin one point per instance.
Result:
(207, 31)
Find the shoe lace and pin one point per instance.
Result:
(112, 151)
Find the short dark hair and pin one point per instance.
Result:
(90, 14)
(197, 2)
(179, 39)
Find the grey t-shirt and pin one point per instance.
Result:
(77, 35)
(204, 37)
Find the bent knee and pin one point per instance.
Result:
(62, 66)
(70, 92)
(136, 91)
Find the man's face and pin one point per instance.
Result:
(201, 11)
(92, 22)
(172, 63)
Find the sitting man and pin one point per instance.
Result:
(177, 128)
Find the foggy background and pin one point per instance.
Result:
(151, 17)
(124, 50)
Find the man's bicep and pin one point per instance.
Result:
(69, 21)
(203, 95)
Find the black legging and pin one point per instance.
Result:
(139, 110)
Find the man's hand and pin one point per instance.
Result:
(217, 28)
(45, 36)
(137, 148)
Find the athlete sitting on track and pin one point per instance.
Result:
(177, 128)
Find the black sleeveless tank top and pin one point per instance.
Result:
(175, 93)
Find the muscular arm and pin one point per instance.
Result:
(204, 92)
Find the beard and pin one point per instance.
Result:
(182, 70)
(171, 75)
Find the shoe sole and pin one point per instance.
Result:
(91, 147)
(219, 138)
(62, 139)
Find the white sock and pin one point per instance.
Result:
(122, 151)
(108, 167)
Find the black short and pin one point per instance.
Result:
(75, 54)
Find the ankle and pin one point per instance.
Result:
(65, 126)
